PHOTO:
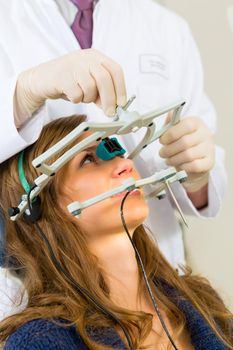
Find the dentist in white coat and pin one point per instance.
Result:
(137, 46)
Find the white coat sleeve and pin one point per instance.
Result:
(13, 297)
(21, 49)
(11, 139)
(197, 104)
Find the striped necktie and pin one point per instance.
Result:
(83, 23)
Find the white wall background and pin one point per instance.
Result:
(209, 244)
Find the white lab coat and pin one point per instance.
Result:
(161, 64)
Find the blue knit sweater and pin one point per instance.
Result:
(46, 335)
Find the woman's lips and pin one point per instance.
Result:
(135, 192)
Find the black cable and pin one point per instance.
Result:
(144, 273)
(69, 277)
(85, 293)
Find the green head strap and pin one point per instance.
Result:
(22, 176)
(35, 210)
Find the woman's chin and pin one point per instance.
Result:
(135, 215)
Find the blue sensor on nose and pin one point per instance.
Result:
(109, 148)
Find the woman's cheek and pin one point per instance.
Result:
(90, 186)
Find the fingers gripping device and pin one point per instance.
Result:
(123, 123)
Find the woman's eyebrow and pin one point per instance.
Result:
(88, 149)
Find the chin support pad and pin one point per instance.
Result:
(109, 148)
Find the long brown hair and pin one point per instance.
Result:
(51, 296)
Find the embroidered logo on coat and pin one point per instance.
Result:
(156, 64)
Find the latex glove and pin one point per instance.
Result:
(189, 146)
(81, 76)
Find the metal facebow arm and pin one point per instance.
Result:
(123, 123)
(160, 180)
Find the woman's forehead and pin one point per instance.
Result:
(84, 136)
(91, 146)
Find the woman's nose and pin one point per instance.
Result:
(121, 167)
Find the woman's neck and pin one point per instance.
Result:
(117, 259)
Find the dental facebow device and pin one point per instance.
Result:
(123, 123)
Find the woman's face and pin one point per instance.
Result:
(87, 176)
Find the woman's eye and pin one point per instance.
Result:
(89, 158)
